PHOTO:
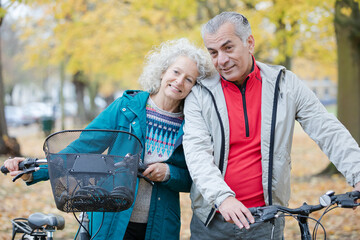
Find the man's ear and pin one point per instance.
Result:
(251, 44)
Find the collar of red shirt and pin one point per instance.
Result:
(254, 74)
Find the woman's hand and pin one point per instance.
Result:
(12, 164)
(156, 172)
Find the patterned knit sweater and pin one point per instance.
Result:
(162, 128)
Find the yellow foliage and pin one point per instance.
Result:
(110, 38)
(293, 28)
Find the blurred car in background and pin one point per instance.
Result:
(37, 110)
(15, 117)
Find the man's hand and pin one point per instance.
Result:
(357, 187)
(234, 211)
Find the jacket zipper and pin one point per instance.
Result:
(272, 134)
(242, 89)
(222, 149)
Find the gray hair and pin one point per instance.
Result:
(240, 22)
(161, 58)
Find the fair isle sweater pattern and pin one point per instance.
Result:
(162, 128)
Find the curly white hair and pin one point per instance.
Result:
(159, 60)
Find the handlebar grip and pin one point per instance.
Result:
(142, 167)
(253, 210)
(22, 165)
(4, 170)
(355, 194)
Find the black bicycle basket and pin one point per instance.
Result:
(93, 170)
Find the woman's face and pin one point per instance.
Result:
(178, 79)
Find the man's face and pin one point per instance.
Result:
(231, 57)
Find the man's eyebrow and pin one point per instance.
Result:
(222, 45)
(225, 43)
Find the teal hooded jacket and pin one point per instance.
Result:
(128, 113)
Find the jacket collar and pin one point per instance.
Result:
(137, 101)
(137, 105)
(268, 73)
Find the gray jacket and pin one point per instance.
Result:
(206, 139)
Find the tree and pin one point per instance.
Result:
(8, 145)
(347, 29)
(107, 42)
(283, 29)
(104, 40)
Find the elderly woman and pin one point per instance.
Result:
(155, 116)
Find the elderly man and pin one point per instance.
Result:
(238, 135)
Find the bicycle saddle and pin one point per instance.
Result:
(38, 220)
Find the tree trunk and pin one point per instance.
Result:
(93, 88)
(61, 95)
(78, 81)
(347, 31)
(3, 126)
(329, 170)
(7, 145)
(281, 37)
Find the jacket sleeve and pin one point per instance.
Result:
(327, 131)
(180, 180)
(199, 153)
(41, 175)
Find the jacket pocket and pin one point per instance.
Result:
(281, 178)
(171, 225)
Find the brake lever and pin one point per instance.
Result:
(141, 168)
(140, 175)
(264, 214)
(25, 171)
(268, 213)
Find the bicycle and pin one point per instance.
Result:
(329, 201)
(88, 172)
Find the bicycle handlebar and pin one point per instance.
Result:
(29, 165)
(346, 200)
(26, 164)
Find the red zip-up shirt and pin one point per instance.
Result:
(244, 170)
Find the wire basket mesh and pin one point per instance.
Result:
(93, 170)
